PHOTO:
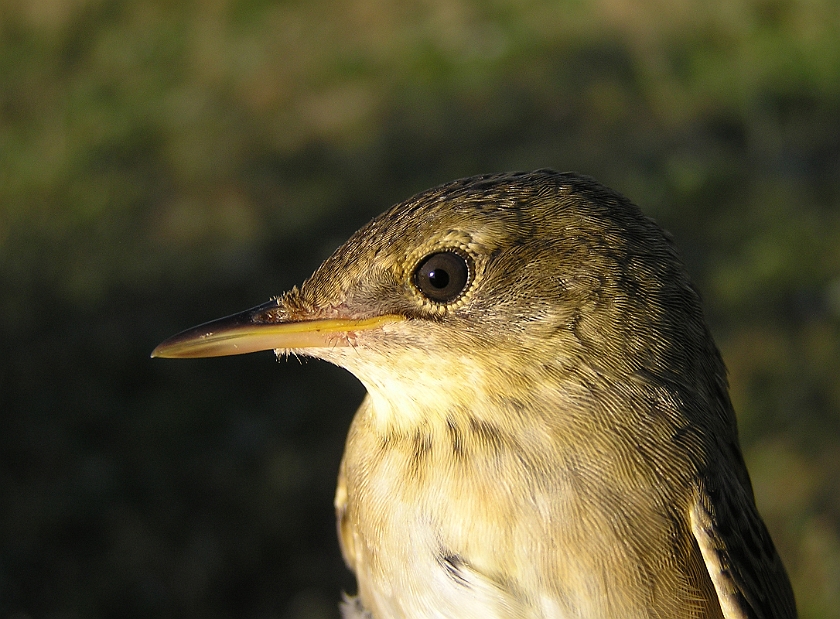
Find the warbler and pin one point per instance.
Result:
(547, 431)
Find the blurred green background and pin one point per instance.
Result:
(165, 163)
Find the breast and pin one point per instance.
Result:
(438, 524)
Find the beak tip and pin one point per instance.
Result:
(164, 350)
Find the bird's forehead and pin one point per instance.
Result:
(400, 237)
(463, 228)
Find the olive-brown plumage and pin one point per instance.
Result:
(547, 431)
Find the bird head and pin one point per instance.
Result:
(493, 286)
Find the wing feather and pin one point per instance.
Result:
(747, 573)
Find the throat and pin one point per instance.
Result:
(449, 425)
(407, 408)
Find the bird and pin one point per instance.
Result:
(547, 430)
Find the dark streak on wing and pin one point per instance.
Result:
(453, 565)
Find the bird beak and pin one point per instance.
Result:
(265, 327)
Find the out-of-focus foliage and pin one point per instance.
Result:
(165, 163)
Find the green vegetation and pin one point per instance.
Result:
(162, 164)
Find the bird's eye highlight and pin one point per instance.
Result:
(443, 276)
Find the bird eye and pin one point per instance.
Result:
(443, 276)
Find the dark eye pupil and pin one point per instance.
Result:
(443, 276)
(439, 278)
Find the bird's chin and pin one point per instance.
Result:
(349, 357)
(285, 353)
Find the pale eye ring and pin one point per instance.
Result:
(443, 276)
